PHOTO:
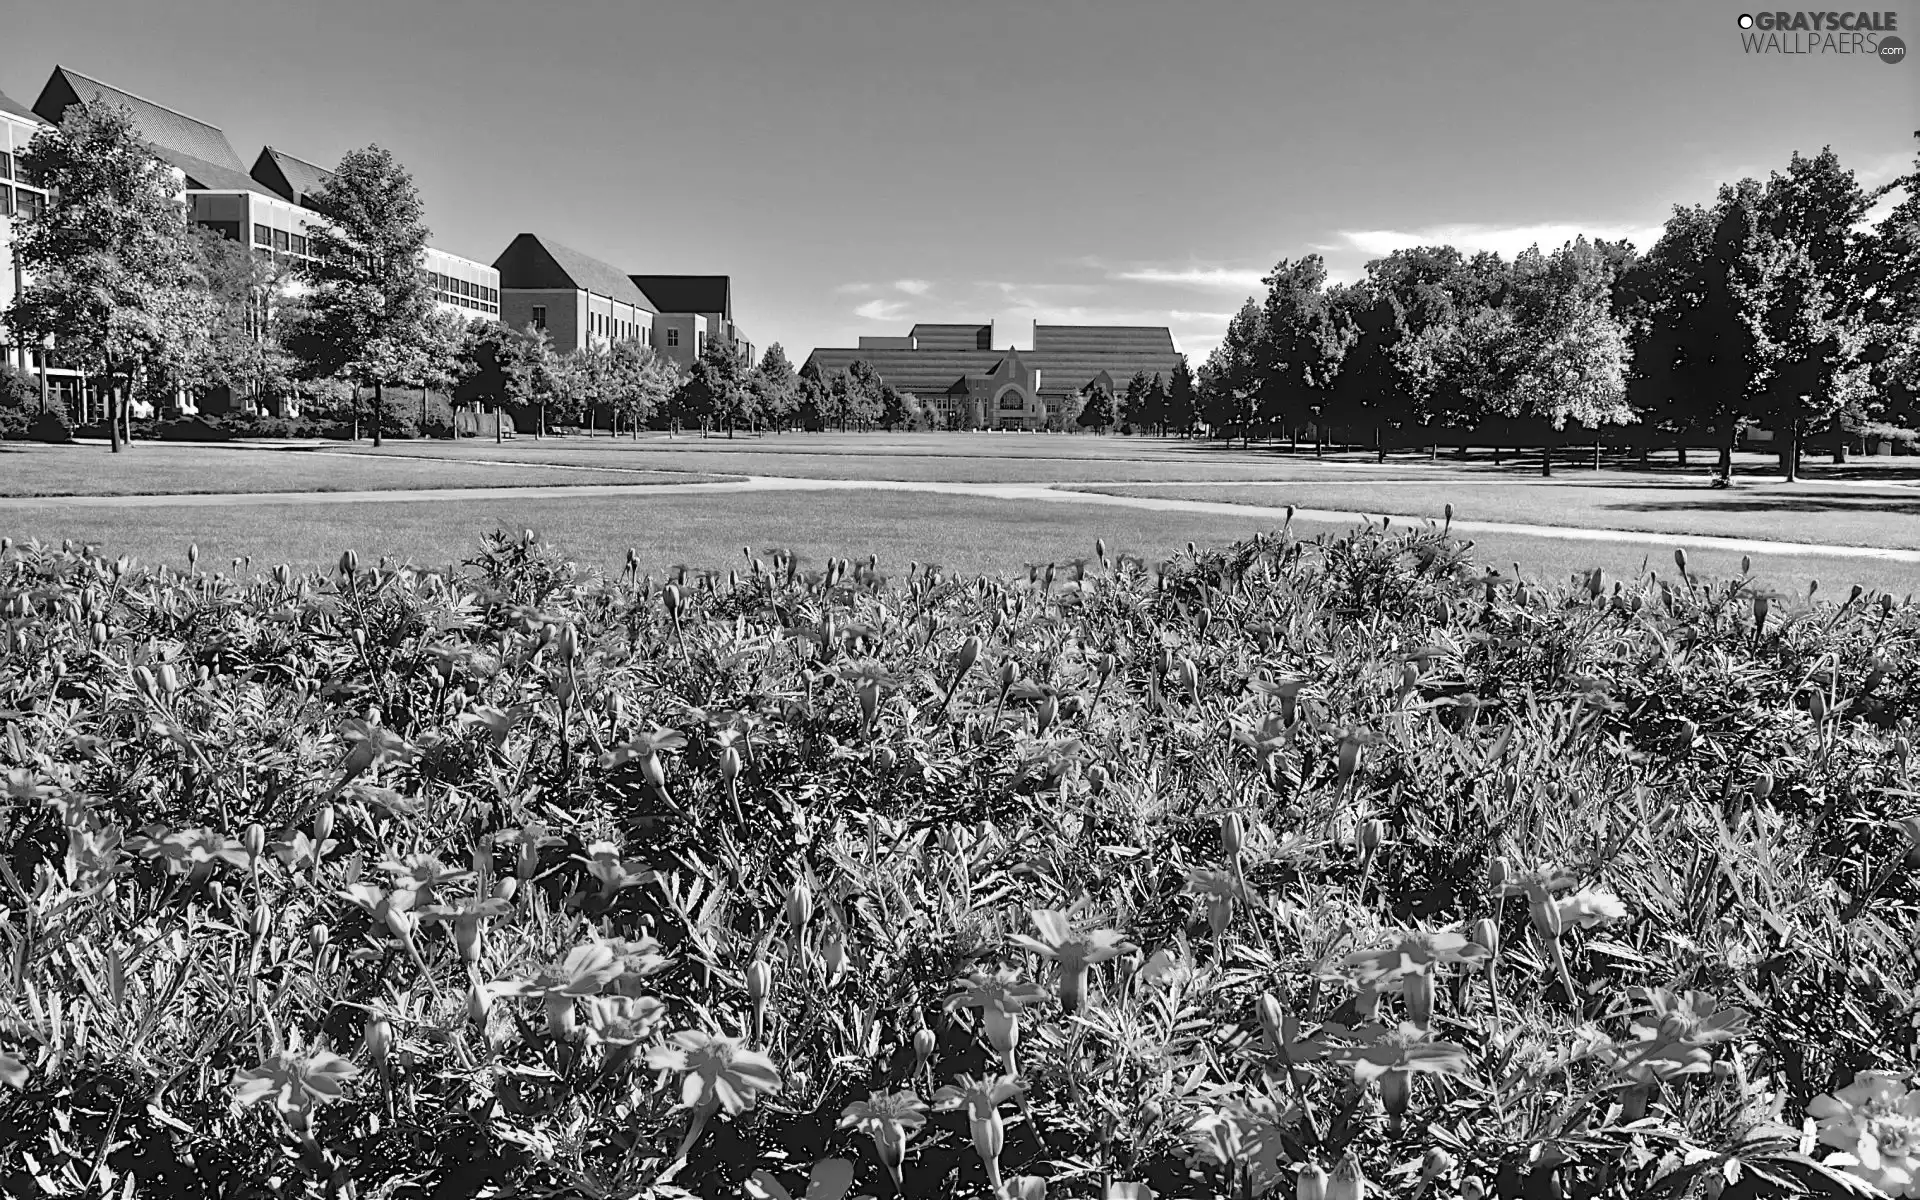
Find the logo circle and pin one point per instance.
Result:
(1746, 20)
(1892, 50)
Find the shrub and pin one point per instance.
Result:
(1288, 859)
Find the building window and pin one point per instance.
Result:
(673, 337)
(299, 245)
(6, 165)
(282, 240)
(6, 200)
(539, 316)
(32, 204)
(262, 236)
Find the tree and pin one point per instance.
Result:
(531, 373)
(1183, 400)
(1134, 409)
(370, 302)
(1809, 348)
(1098, 410)
(1300, 345)
(1371, 386)
(1696, 364)
(1230, 379)
(246, 351)
(114, 270)
(859, 397)
(1573, 353)
(640, 383)
(776, 391)
(1156, 408)
(715, 390)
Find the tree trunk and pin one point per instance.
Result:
(113, 414)
(1546, 453)
(1790, 445)
(1682, 449)
(1729, 435)
(423, 410)
(1596, 452)
(379, 402)
(499, 424)
(540, 421)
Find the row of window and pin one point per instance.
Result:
(461, 288)
(279, 240)
(23, 201)
(13, 168)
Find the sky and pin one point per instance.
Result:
(860, 165)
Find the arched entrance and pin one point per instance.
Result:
(1009, 408)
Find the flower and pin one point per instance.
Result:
(720, 1071)
(1585, 909)
(583, 972)
(889, 1119)
(1074, 950)
(295, 1079)
(621, 1021)
(999, 997)
(1394, 1056)
(982, 1099)
(468, 917)
(1875, 1123)
(1408, 966)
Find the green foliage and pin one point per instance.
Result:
(775, 388)
(1288, 856)
(113, 269)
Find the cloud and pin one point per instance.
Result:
(1506, 240)
(1231, 278)
(912, 287)
(882, 310)
(854, 289)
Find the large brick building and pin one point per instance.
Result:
(959, 372)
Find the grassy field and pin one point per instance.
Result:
(1806, 512)
(970, 534)
(27, 469)
(974, 536)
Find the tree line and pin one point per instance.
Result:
(1778, 305)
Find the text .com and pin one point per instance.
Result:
(1869, 34)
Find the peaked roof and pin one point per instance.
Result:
(688, 293)
(173, 135)
(532, 262)
(292, 179)
(9, 105)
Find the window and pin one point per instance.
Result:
(32, 204)
(299, 245)
(673, 337)
(282, 240)
(262, 236)
(539, 316)
(6, 200)
(6, 165)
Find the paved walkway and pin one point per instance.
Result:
(1028, 492)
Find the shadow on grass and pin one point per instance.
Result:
(1866, 505)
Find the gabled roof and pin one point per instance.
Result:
(532, 262)
(9, 105)
(688, 293)
(208, 177)
(292, 179)
(161, 127)
(923, 372)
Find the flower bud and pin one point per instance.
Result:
(1763, 786)
(144, 683)
(969, 655)
(256, 841)
(1272, 1018)
(259, 924)
(317, 938)
(479, 1005)
(349, 563)
(1817, 705)
(1418, 993)
(924, 1043)
(670, 595)
(503, 889)
(1310, 1183)
(799, 905)
(1372, 833)
(1233, 834)
(323, 824)
(1680, 558)
(729, 764)
(1486, 933)
(759, 980)
(1499, 874)
(1471, 1188)
(379, 1038)
(653, 771)
(1436, 1163)
(1346, 1182)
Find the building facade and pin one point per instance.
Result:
(579, 300)
(20, 195)
(691, 311)
(957, 371)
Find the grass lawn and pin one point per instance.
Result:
(965, 534)
(1809, 512)
(29, 469)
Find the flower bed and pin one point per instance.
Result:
(1292, 868)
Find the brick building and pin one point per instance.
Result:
(958, 371)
